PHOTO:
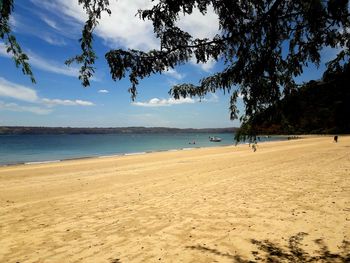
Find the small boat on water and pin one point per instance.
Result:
(214, 139)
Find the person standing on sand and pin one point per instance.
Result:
(336, 138)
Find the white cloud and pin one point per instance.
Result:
(155, 102)
(13, 21)
(125, 28)
(213, 98)
(18, 92)
(67, 7)
(201, 26)
(52, 35)
(3, 52)
(122, 28)
(103, 91)
(50, 22)
(44, 64)
(208, 66)
(19, 108)
(59, 102)
(51, 66)
(173, 73)
(53, 40)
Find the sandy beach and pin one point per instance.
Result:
(225, 204)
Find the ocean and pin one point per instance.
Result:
(26, 149)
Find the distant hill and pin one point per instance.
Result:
(321, 107)
(17, 130)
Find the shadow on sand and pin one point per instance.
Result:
(268, 251)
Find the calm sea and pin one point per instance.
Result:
(40, 148)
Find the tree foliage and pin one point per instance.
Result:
(94, 10)
(263, 44)
(11, 45)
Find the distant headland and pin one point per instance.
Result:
(19, 130)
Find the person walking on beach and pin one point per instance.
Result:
(254, 146)
(336, 138)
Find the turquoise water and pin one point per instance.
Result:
(40, 148)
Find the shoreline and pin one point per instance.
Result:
(109, 156)
(20, 163)
(283, 138)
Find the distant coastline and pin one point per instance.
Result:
(22, 130)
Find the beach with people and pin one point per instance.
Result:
(220, 204)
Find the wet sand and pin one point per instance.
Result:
(201, 205)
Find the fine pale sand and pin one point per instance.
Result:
(201, 205)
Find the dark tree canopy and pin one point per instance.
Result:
(317, 107)
(264, 45)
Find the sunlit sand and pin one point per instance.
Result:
(200, 205)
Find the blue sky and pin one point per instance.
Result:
(48, 32)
